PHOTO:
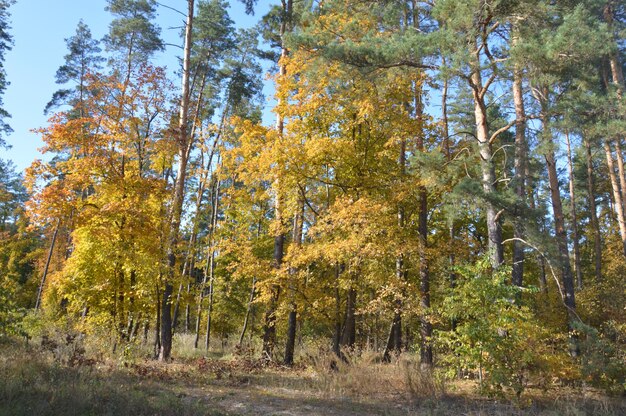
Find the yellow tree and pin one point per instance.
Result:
(110, 178)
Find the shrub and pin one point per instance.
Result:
(603, 356)
(496, 339)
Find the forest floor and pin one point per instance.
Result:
(36, 380)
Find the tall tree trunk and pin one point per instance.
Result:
(620, 171)
(557, 210)
(44, 276)
(157, 325)
(517, 275)
(593, 215)
(426, 328)
(394, 340)
(530, 195)
(208, 270)
(617, 195)
(269, 327)
(131, 305)
(248, 310)
(184, 147)
(494, 232)
(298, 224)
(572, 199)
(337, 334)
(617, 76)
(448, 153)
(209, 315)
(348, 335)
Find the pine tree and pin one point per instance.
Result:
(82, 58)
(6, 42)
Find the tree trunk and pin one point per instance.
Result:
(617, 195)
(394, 341)
(593, 215)
(207, 339)
(337, 334)
(248, 310)
(348, 336)
(517, 275)
(269, 327)
(617, 74)
(208, 270)
(494, 232)
(131, 308)
(292, 323)
(157, 326)
(572, 196)
(620, 170)
(47, 266)
(166, 323)
(448, 149)
(184, 147)
(426, 328)
(559, 218)
(188, 309)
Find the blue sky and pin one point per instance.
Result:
(39, 29)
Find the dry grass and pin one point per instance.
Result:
(362, 375)
(35, 383)
(39, 381)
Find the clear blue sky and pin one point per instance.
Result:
(39, 29)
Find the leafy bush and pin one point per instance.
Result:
(603, 356)
(11, 314)
(496, 338)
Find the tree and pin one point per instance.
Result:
(132, 35)
(6, 42)
(184, 143)
(82, 58)
(112, 192)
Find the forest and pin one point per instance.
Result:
(426, 215)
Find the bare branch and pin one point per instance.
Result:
(556, 280)
(171, 8)
(501, 130)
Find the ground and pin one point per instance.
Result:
(37, 381)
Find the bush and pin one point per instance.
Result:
(11, 314)
(603, 356)
(496, 339)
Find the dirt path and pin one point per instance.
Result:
(256, 400)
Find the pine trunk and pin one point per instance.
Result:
(184, 145)
(269, 327)
(494, 232)
(517, 275)
(209, 268)
(394, 340)
(593, 215)
(572, 199)
(620, 170)
(618, 204)
(559, 220)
